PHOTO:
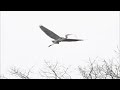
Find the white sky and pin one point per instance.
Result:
(23, 43)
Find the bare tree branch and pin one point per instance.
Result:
(15, 71)
(54, 71)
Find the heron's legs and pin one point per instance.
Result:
(51, 45)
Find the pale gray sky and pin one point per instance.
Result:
(23, 43)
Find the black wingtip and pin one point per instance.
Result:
(80, 39)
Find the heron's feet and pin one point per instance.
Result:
(50, 45)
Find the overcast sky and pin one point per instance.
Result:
(24, 44)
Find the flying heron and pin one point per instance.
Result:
(57, 38)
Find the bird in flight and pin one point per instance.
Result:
(57, 39)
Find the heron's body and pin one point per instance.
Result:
(57, 38)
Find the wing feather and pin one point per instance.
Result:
(49, 33)
(71, 40)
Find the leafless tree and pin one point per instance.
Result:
(50, 71)
(94, 70)
(103, 70)
(20, 74)
(54, 71)
(107, 70)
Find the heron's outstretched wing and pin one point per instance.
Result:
(49, 33)
(71, 40)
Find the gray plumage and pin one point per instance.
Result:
(49, 33)
(57, 38)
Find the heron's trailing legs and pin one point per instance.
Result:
(51, 45)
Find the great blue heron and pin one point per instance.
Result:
(57, 38)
